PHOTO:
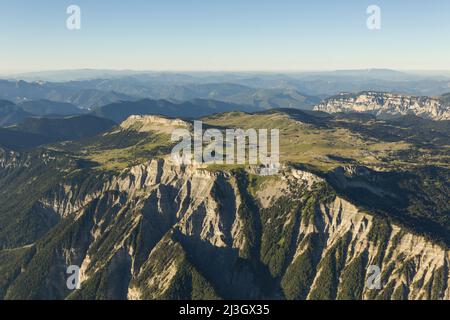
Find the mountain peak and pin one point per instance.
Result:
(146, 123)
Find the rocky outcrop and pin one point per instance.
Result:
(153, 123)
(386, 105)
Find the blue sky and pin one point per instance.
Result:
(287, 35)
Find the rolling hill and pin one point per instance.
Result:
(190, 109)
(18, 140)
(69, 128)
(80, 94)
(445, 98)
(34, 132)
(50, 108)
(11, 114)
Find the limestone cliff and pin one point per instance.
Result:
(387, 105)
(161, 231)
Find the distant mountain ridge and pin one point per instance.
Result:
(47, 107)
(77, 93)
(11, 114)
(120, 111)
(387, 105)
(98, 92)
(91, 89)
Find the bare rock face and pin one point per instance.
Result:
(161, 231)
(387, 105)
(153, 123)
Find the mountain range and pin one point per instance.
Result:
(353, 192)
(380, 104)
(120, 111)
(388, 105)
(50, 108)
(95, 88)
(82, 96)
(87, 179)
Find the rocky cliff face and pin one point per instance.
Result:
(160, 231)
(387, 105)
(153, 124)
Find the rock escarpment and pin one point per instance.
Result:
(387, 105)
(161, 231)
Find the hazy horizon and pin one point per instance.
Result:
(256, 71)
